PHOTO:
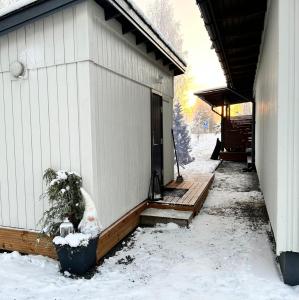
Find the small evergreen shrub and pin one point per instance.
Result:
(65, 199)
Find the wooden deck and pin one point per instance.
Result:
(193, 199)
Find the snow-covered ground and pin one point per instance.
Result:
(226, 254)
(202, 148)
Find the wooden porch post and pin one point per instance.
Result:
(222, 128)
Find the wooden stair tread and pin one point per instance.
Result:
(166, 213)
(153, 216)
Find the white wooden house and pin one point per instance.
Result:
(258, 46)
(82, 85)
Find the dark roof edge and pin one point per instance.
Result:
(41, 8)
(219, 30)
(222, 89)
(141, 16)
(209, 21)
(239, 94)
(30, 12)
(138, 21)
(204, 93)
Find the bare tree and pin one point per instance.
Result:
(203, 121)
(161, 15)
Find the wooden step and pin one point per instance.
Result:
(153, 216)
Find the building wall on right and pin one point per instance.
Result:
(266, 95)
(277, 124)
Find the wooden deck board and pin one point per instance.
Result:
(32, 243)
(190, 197)
(170, 200)
(193, 199)
(199, 190)
(181, 185)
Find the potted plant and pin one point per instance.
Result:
(71, 221)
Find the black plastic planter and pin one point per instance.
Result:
(77, 260)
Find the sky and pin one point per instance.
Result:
(202, 60)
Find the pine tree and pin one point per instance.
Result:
(181, 136)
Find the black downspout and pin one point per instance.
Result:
(253, 132)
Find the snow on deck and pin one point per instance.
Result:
(226, 254)
(202, 148)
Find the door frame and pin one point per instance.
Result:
(154, 92)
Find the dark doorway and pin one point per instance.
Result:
(157, 135)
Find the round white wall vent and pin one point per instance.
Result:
(17, 69)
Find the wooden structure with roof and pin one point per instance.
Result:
(236, 131)
(235, 28)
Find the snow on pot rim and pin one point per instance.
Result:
(73, 240)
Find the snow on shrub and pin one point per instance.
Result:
(69, 200)
(65, 198)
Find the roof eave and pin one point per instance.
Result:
(207, 14)
(41, 8)
(30, 12)
(179, 66)
(228, 92)
(222, 19)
